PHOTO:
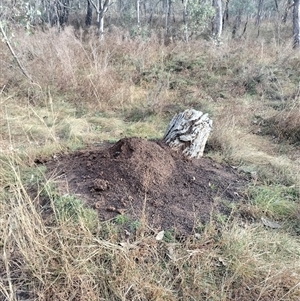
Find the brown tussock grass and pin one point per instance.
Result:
(285, 125)
(83, 73)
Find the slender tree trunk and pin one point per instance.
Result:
(101, 27)
(152, 9)
(89, 14)
(168, 15)
(276, 6)
(101, 8)
(226, 13)
(218, 20)
(286, 10)
(245, 27)
(145, 8)
(66, 12)
(259, 11)
(138, 12)
(186, 33)
(237, 24)
(296, 24)
(258, 17)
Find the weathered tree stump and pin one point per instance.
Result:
(188, 131)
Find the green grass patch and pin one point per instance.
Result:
(70, 209)
(275, 201)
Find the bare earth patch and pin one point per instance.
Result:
(146, 179)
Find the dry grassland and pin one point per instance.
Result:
(85, 92)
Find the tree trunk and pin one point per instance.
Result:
(56, 12)
(188, 132)
(258, 17)
(138, 12)
(218, 20)
(276, 6)
(101, 8)
(237, 24)
(101, 26)
(286, 10)
(62, 9)
(296, 24)
(89, 14)
(166, 17)
(245, 27)
(226, 13)
(186, 34)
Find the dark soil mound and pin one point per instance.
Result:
(140, 178)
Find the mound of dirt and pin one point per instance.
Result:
(140, 178)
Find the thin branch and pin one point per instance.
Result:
(95, 6)
(14, 54)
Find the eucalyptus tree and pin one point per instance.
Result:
(138, 12)
(192, 16)
(21, 13)
(241, 10)
(196, 17)
(288, 5)
(218, 19)
(62, 9)
(101, 7)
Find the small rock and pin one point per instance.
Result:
(270, 224)
(160, 235)
(197, 235)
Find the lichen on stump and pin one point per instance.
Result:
(188, 131)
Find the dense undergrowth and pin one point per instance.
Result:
(86, 91)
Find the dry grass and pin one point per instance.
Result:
(285, 125)
(85, 92)
(57, 258)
